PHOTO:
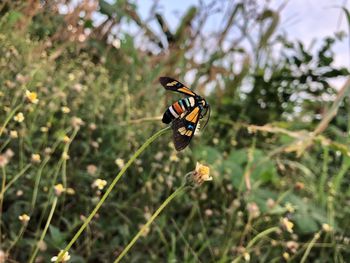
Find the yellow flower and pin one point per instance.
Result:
(99, 183)
(173, 157)
(288, 225)
(290, 208)
(65, 156)
(59, 189)
(36, 158)
(32, 97)
(202, 172)
(65, 109)
(13, 134)
(64, 257)
(65, 139)
(19, 117)
(200, 175)
(71, 76)
(44, 129)
(24, 218)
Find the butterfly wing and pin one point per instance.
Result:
(174, 85)
(184, 128)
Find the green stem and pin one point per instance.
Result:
(144, 227)
(261, 235)
(43, 234)
(309, 247)
(1, 200)
(2, 147)
(9, 118)
(37, 182)
(110, 188)
(323, 179)
(21, 231)
(13, 180)
(255, 239)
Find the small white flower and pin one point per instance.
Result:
(120, 162)
(64, 258)
(99, 183)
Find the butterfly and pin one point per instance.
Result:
(184, 113)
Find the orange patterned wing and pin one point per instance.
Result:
(184, 128)
(174, 85)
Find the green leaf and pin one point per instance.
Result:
(274, 17)
(56, 236)
(305, 223)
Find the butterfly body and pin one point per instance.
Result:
(184, 113)
(177, 109)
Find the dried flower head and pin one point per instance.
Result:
(32, 97)
(92, 126)
(13, 134)
(77, 122)
(199, 175)
(36, 158)
(63, 257)
(3, 160)
(253, 210)
(299, 186)
(91, 169)
(292, 246)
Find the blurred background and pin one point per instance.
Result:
(79, 94)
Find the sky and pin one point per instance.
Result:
(307, 20)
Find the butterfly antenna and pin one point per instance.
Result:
(207, 118)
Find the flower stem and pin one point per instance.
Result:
(2, 128)
(144, 227)
(309, 247)
(110, 188)
(3, 184)
(54, 203)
